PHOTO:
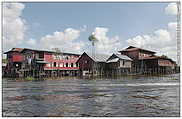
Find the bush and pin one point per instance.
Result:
(29, 78)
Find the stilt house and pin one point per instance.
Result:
(118, 64)
(145, 61)
(23, 62)
(92, 64)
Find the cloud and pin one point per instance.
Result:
(163, 41)
(66, 41)
(105, 44)
(84, 28)
(171, 9)
(31, 42)
(14, 27)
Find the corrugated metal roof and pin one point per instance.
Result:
(51, 51)
(156, 57)
(123, 57)
(42, 62)
(15, 50)
(116, 57)
(131, 48)
(113, 60)
(98, 57)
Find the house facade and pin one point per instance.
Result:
(92, 64)
(146, 61)
(24, 62)
(118, 64)
(104, 65)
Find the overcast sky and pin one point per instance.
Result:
(68, 25)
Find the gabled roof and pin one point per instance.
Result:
(98, 57)
(95, 57)
(123, 57)
(116, 57)
(132, 48)
(113, 60)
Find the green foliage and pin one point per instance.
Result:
(92, 38)
(30, 78)
(4, 60)
(174, 79)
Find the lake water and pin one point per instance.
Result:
(124, 96)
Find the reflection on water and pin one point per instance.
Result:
(125, 96)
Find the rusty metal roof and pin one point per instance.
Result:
(131, 48)
(156, 57)
(15, 50)
(24, 49)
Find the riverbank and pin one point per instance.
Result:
(172, 76)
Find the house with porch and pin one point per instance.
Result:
(147, 62)
(23, 62)
(92, 64)
(103, 65)
(118, 64)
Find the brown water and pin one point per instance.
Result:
(124, 96)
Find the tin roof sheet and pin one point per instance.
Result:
(123, 57)
(98, 57)
(113, 60)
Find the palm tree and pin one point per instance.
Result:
(93, 39)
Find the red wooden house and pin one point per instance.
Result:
(92, 64)
(30, 62)
(146, 61)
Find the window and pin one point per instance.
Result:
(41, 55)
(77, 65)
(66, 64)
(54, 64)
(71, 64)
(123, 62)
(67, 58)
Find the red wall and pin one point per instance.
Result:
(85, 63)
(15, 57)
(163, 62)
(48, 57)
(131, 54)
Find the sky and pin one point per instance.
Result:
(67, 26)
